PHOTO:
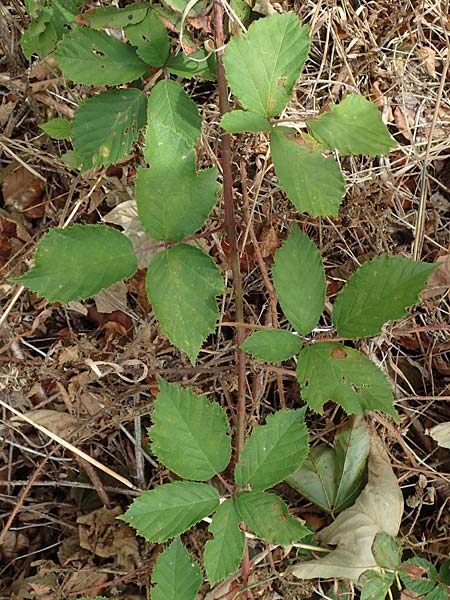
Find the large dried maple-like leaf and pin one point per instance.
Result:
(379, 508)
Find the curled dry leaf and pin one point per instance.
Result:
(24, 192)
(439, 281)
(125, 214)
(441, 434)
(379, 508)
(105, 536)
(58, 422)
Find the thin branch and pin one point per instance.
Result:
(230, 225)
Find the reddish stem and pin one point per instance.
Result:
(230, 227)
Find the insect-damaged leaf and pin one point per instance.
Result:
(330, 371)
(313, 182)
(104, 127)
(92, 57)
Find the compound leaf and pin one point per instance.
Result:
(182, 283)
(104, 127)
(170, 108)
(150, 38)
(112, 17)
(333, 477)
(263, 65)
(380, 290)
(78, 262)
(299, 280)
(223, 554)
(237, 121)
(176, 575)
(268, 517)
(273, 451)
(375, 585)
(170, 509)
(190, 454)
(354, 126)
(92, 57)
(313, 182)
(273, 345)
(58, 129)
(330, 371)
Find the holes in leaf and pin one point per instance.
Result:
(343, 379)
(99, 52)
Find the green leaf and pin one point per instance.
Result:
(353, 127)
(444, 571)
(104, 127)
(380, 290)
(48, 27)
(440, 592)
(169, 107)
(299, 280)
(263, 65)
(180, 6)
(151, 39)
(330, 371)
(182, 283)
(387, 552)
(418, 575)
(174, 200)
(197, 64)
(190, 454)
(273, 451)
(241, 120)
(59, 129)
(313, 182)
(375, 585)
(170, 509)
(40, 37)
(92, 57)
(333, 477)
(268, 517)
(176, 575)
(223, 554)
(112, 17)
(78, 262)
(273, 345)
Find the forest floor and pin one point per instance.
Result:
(91, 367)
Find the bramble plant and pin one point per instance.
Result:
(174, 200)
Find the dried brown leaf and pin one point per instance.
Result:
(379, 508)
